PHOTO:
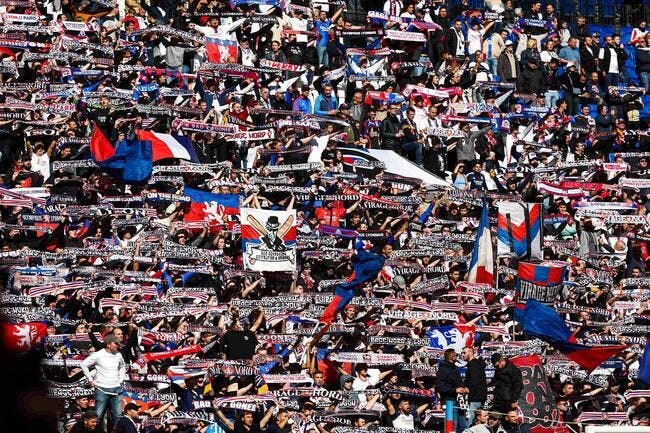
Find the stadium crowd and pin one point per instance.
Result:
(184, 184)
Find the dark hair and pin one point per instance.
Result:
(449, 353)
(496, 357)
(90, 414)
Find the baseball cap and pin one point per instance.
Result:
(509, 42)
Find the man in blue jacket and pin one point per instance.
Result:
(449, 385)
(326, 103)
(302, 102)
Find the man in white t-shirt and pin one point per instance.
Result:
(475, 36)
(404, 419)
(364, 379)
(298, 22)
(367, 377)
(41, 161)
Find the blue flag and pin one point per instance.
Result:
(543, 322)
(366, 267)
(131, 161)
(644, 365)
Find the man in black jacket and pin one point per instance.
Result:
(390, 130)
(532, 79)
(126, 424)
(455, 39)
(449, 385)
(511, 423)
(508, 383)
(588, 56)
(475, 382)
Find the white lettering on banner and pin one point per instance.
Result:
(282, 66)
(626, 219)
(420, 315)
(634, 183)
(368, 358)
(20, 18)
(544, 294)
(444, 132)
(264, 134)
(405, 36)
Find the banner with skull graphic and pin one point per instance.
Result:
(268, 240)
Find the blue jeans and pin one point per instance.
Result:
(611, 79)
(110, 398)
(492, 64)
(551, 97)
(471, 412)
(323, 58)
(413, 151)
(644, 77)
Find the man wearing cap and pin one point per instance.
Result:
(508, 383)
(110, 369)
(302, 102)
(126, 424)
(570, 83)
(87, 424)
(507, 64)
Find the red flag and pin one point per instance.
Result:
(21, 337)
(589, 357)
(100, 146)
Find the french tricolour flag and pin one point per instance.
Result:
(481, 268)
(165, 146)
